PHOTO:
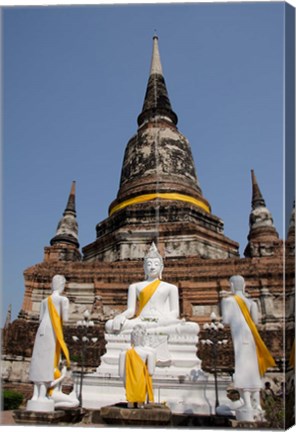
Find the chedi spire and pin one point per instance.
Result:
(67, 230)
(263, 239)
(156, 67)
(156, 102)
(257, 198)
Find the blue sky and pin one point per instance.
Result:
(74, 80)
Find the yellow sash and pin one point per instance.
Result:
(265, 360)
(138, 381)
(56, 322)
(146, 294)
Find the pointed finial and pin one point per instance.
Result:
(156, 67)
(71, 200)
(67, 230)
(156, 102)
(73, 187)
(257, 198)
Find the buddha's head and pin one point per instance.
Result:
(237, 283)
(153, 263)
(58, 283)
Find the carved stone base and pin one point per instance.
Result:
(149, 415)
(67, 415)
(34, 418)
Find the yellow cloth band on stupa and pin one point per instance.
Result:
(166, 196)
(265, 359)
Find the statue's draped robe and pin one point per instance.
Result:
(247, 372)
(49, 342)
(146, 294)
(138, 382)
(264, 358)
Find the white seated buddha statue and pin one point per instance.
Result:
(152, 303)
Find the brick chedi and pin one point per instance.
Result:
(263, 237)
(159, 199)
(65, 245)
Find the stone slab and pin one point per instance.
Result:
(149, 415)
(34, 418)
(73, 415)
(248, 425)
(67, 415)
(200, 421)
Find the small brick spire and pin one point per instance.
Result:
(263, 239)
(257, 198)
(71, 207)
(67, 230)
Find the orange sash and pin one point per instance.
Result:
(138, 381)
(146, 294)
(56, 322)
(265, 359)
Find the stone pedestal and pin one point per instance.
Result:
(67, 415)
(149, 415)
(181, 395)
(25, 417)
(258, 425)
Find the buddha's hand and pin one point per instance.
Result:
(152, 315)
(118, 322)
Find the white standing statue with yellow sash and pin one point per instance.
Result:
(136, 367)
(252, 357)
(48, 347)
